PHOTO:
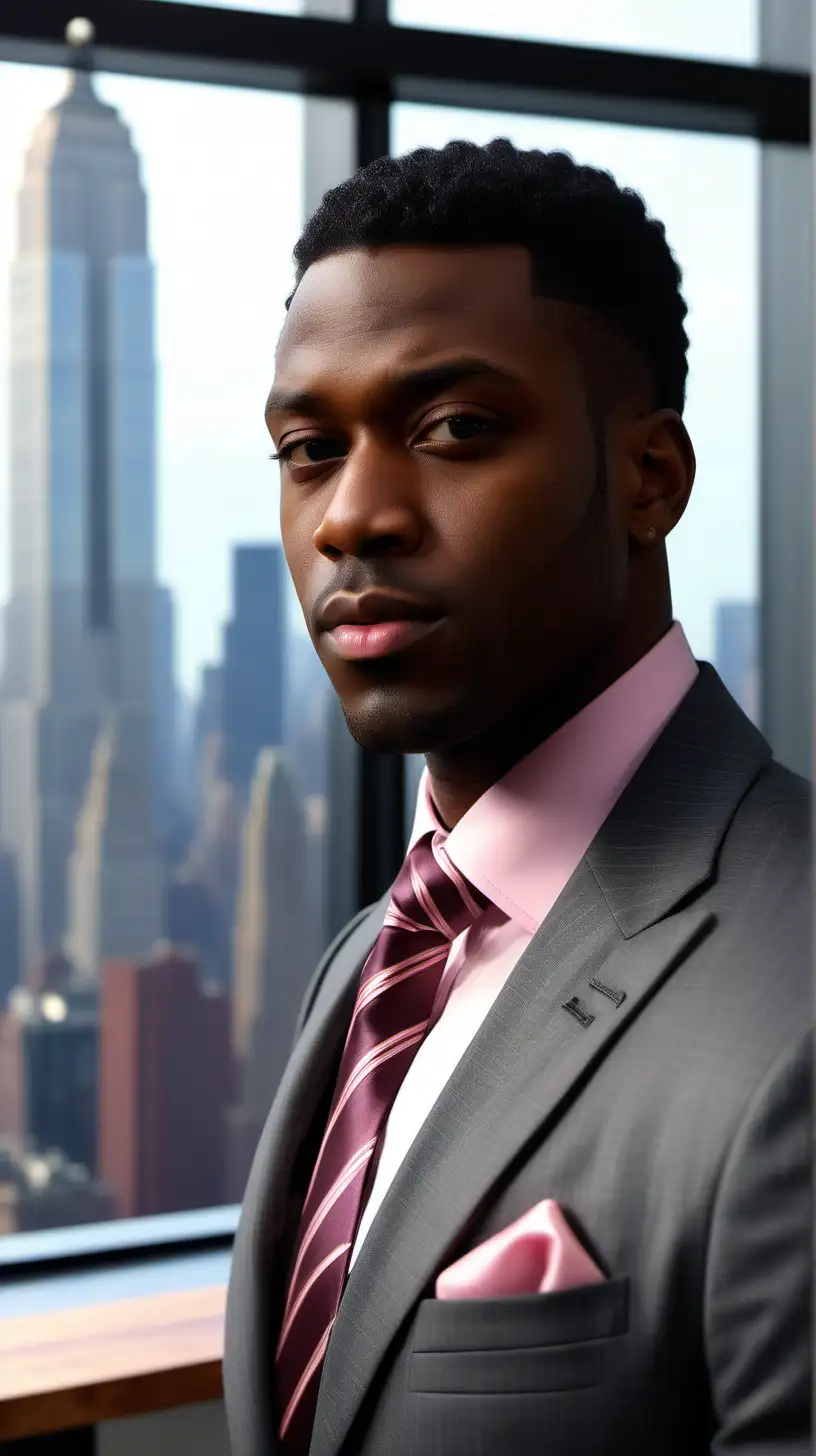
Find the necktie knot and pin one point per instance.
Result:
(430, 894)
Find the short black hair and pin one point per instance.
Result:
(593, 243)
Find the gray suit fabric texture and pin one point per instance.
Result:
(670, 1119)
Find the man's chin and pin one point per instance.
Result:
(389, 726)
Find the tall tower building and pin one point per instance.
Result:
(84, 619)
(274, 934)
(48, 1083)
(206, 745)
(308, 694)
(252, 684)
(9, 925)
(116, 869)
(165, 1082)
(165, 764)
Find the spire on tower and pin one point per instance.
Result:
(80, 34)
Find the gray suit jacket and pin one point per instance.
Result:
(672, 1123)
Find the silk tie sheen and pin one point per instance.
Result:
(431, 904)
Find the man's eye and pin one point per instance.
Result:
(459, 428)
(312, 452)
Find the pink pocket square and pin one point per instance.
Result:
(538, 1254)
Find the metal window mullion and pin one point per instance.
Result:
(382, 775)
(786, 396)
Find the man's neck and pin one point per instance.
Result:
(460, 775)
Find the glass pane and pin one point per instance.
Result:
(706, 191)
(323, 9)
(163, 787)
(727, 30)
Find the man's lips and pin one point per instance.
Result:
(375, 606)
(378, 639)
(376, 623)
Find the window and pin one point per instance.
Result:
(163, 782)
(728, 30)
(170, 749)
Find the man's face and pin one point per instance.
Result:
(440, 512)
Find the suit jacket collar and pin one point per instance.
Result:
(661, 841)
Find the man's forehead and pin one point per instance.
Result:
(366, 291)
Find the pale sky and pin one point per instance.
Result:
(222, 169)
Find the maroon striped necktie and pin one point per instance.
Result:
(431, 904)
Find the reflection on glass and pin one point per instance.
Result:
(705, 189)
(162, 770)
(727, 30)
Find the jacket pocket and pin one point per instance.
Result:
(530, 1343)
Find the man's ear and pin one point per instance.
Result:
(664, 466)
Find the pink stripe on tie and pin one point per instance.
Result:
(371, 1061)
(310, 1282)
(354, 1166)
(389, 977)
(435, 916)
(311, 1367)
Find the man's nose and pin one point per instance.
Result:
(375, 507)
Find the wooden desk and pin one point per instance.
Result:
(73, 1367)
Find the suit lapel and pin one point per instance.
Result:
(662, 838)
(549, 1028)
(257, 1272)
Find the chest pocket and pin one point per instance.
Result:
(522, 1345)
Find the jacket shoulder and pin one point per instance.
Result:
(777, 808)
(779, 785)
(758, 977)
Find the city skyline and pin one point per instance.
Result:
(224, 170)
(126, 846)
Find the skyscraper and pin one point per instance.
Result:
(252, 685)
(116, 868)
(164, 1085)
(205, 739)
(84, 619)
(9, 925)
(48, 1083)
(274, 945)
(308, 692)
(165, 766)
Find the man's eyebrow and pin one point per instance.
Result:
(419, 383)
(415, 383)
(293, 401)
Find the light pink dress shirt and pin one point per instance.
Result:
(519, 844)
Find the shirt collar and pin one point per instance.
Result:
(521, 840)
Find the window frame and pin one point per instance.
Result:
(360, 57)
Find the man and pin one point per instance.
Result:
(536, 1178)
